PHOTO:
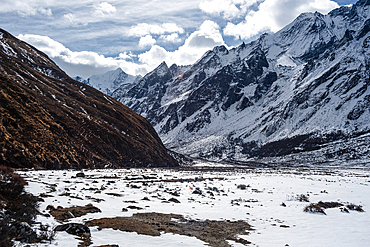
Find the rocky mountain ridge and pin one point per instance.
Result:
(49, 120)
(288, 92)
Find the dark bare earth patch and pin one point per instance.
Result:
(64, 214)
(215, 233)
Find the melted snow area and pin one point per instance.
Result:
(254, 195)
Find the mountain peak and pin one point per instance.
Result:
(220, 50)
(162, 69)
(119, 69)
(284, 93)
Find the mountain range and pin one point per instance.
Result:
(299, 90)
(49, 120)
(110, 81)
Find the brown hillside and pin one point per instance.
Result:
(49, 120)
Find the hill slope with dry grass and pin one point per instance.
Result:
(48, 120)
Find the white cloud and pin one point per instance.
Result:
(206, 38)
(46, 12)
(87, 63)
(272, 15)
(147, 41)
(126, 56)
(143, 29)
(104, 8)
(72, 20)
(26, 8)
(172, 38)
(229, 8)
(83, 63)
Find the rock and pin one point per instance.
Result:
(74, 229)
(134, 208)
(197, 191)
(80, 175)
(174, 200)
(175, 193)
(344, 210)
(242, 186)
(124, 209)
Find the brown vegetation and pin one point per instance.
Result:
(48, 120)
(17, 209)
(215, 233)
(63, 214)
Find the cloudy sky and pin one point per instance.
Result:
(89, 37)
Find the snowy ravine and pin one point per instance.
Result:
(300, 88)
(268, 199)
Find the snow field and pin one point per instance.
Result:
(257, 201)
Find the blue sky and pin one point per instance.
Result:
(91, 37)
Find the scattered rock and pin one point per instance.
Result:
(134, 186)
(80, 175)
(197, 191)
(134, 207)
(74, 229)
(114, 194)
(174, 200)
(344, 210)
(242, 186)
(175, 193)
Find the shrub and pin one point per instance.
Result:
(314, 208)
(303, 198)
(18, 209)
(355, 207)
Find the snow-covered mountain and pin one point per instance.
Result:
(110, 81)
(292, 91)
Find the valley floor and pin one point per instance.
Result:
(270, 200)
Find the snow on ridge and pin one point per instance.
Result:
(109, 81)
(308, 86)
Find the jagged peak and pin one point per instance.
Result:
(162, 67)
(119, 69)
(220, 49)
(161, 70)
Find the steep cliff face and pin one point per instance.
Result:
(49, 120)
(289, 92)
